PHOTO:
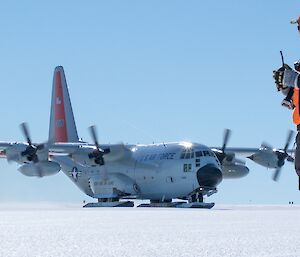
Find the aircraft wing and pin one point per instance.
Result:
(10, 149)
(4, 145)
(117, 152)
(79, 152)
(246, 151)
(240, 151)
(68, 148)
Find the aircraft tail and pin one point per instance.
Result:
(62, 123)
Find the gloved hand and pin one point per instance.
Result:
(285, 77)
(278, 77)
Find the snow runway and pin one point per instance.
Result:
(69, 230)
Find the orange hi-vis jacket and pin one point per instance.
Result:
(296, 113)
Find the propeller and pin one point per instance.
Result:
(25, 130)
(98, 153)
(227, 134)
(31, 150)
(221, 153)
(282, 155)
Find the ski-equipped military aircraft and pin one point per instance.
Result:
(114, 172)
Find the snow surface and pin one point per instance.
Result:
(69, 230)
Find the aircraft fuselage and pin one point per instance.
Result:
(155, 172)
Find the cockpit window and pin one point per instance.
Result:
(190, 154)
(206, 153)
(199, 154)
(187, 153)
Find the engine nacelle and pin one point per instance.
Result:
(40, 169)
(117, 152)
(265, 158)
(234, 169)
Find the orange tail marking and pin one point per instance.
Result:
(59, 114)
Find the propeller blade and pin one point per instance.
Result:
(288, 140)
(40, 146)
(290, 159)
(94, 136)
(25, 130)
(276, 174)
(227, 133)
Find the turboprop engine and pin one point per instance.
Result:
(96, 155)
(234, 168)
(83, 158)
(91, 156)
(274, 158)
(231, 166)
(28, 152)
(40, 169)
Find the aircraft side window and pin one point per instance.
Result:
(187, 167)
(192, 155)
(187, 155)
(182, 155)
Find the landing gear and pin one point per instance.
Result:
(109, 202)
(105, 200)
(166, 203)
(195, 199)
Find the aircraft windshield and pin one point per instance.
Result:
(190, 153)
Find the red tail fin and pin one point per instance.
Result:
(59, 111)
(62, 124)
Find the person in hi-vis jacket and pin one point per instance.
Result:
(288, 82)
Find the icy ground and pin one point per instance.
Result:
(68, 230)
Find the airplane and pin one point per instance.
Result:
(115, 174)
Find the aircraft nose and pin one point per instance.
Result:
(209, 176)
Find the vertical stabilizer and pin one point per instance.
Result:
(62, 124)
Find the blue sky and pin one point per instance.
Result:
(146, 71)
